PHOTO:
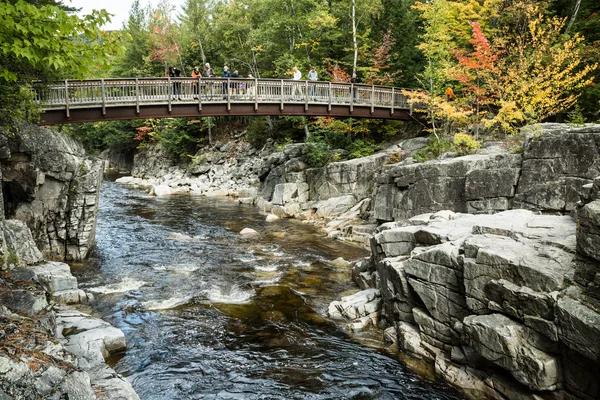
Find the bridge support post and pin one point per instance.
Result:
(67, 99)
(228, 94)
(170, 92)
(281, 105)
(137, 96)
(329, 105)
(351, 98)
(199, 93)
(393, 98)
(103, 89)
(306, 96)
(255, 94)
(372, 99)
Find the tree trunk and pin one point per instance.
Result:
(575, 11)
(354, 40)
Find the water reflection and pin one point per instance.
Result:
(212, 315)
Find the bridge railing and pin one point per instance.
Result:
(147, 91)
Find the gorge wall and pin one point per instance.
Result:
(49, 183)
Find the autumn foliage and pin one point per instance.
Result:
(504, 77)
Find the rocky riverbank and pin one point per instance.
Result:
(48, 350)
(504, 305)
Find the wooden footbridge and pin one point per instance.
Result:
(130, 98)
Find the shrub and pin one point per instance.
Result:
(465, 143)
(361, 148)
(435, 147)
(318, 155)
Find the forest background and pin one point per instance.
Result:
(508, 62)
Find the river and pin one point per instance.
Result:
(209, 314)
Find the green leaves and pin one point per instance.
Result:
(47, 37)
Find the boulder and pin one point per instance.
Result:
(249, 232)
(588, 238)
(271, 218)
(30, 302)
(558, 160)
(361, 304)
(161, 190)
(20, 241)
(512, 346)
(398, 297)
(90, 339)
(579, 327)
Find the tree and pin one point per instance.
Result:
(164, 37)
(45, 42)
(477, 72)
(543, 72)
(194, 20)
(133, 62)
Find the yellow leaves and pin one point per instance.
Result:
(322, 20)
(465, 143)
(508, 117)
(544, 71)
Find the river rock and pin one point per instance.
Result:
(55, 276)
(469, 380)
(290, 192)
(352, 177)
(24, 382)
(409, 339)
(462, 184)
(525, 263)
(361, 304)
(161, 190)
(249, 232)
(271, 218)
(520, 301)
(91, 339)
(512, 346)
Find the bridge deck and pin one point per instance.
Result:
(111, 99)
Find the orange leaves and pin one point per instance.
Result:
(478, 71)
(143, 132)
(337, 73)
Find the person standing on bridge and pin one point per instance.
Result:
(313, 77)
(354, 80)
(209, 73)
(297, 77)
(226, 74)
(195, 85)
(174, 72)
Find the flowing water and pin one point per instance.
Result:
(209, 314)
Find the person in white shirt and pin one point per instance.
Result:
(297, 77)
